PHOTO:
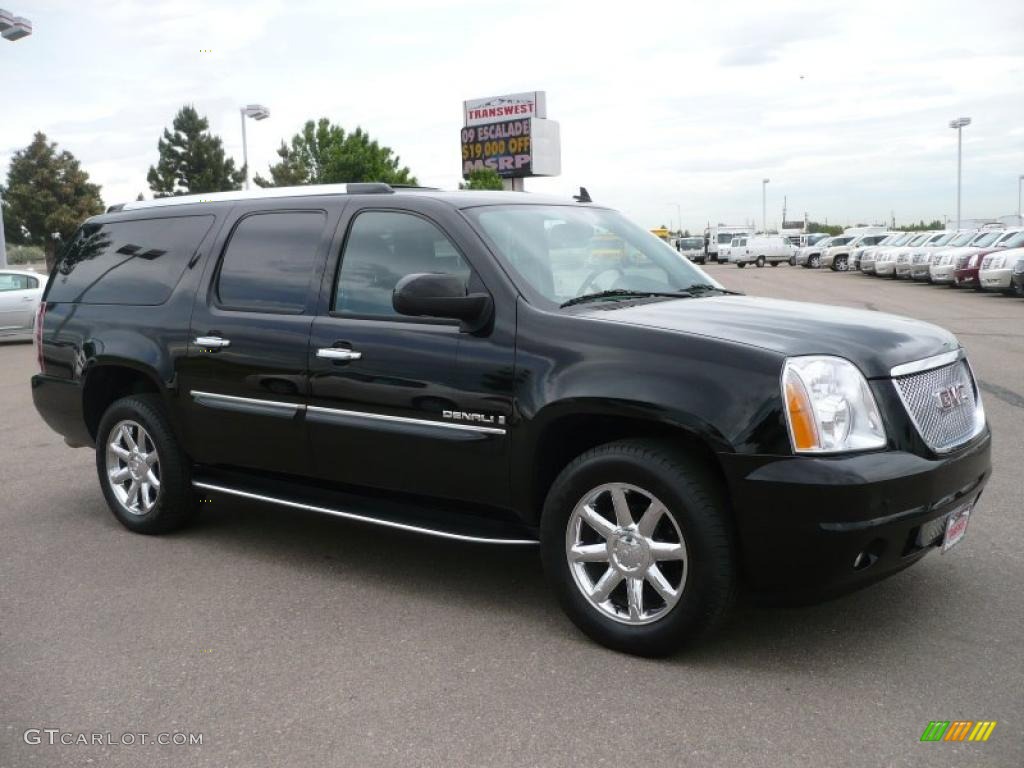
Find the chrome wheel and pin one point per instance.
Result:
(626, 553)
(133, 467)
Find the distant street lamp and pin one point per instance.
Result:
(1020, 183)
(11, 28)
(764, 205)
(959, 124)
(256, 112)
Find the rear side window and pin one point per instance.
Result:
(9, 282)
(270, 261)
(127, 262)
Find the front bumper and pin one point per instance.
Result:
(943, 274)
(967, 278)
(996, 279)
(920, 272)
(903, 269)
(804, 522)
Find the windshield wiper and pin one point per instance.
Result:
(704, 287)
(623, 293)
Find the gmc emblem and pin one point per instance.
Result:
(950, 397)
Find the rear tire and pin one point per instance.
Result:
(639, 583)
(144, 474)
(841, 264)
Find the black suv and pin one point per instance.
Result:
(510, 369)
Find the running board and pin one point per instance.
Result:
(455, 526)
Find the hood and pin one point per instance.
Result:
(874, 341)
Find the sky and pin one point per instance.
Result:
(669, 111)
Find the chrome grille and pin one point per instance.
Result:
(942, 429)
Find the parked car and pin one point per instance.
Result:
(905, 257)
(996, 270)
(763, 249)
(720, 237)
(1018, 278)
(425, 360)
(920, 262)
(810, 257)
(20, 292)
(868, 256)
(885, 262)
(837, 257)
(944, 260)
(692, 248)
(969, 259)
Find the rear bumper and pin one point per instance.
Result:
(806, 524)
(59, 402)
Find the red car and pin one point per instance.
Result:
(967, 265)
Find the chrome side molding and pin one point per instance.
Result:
(358, 517)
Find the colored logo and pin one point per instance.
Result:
(958, 730)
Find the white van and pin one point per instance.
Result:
(763, 249)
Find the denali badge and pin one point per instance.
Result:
(481, 418)
(950, 397)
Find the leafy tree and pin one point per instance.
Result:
(47, 191)
(483, 178)
(830, 229)
(323, 153)
(921, 226)
(192, 159)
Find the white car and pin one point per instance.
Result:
(886, 259)
(20, 292)
(997, 269)
(865, 260)
(810, 256)
(838, 256)
(944, 259)
(761, 250)
(905, 258)
(921, 260)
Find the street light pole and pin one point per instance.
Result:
(11, 28)
(256, 112)
(1020, 184)
(764, 205)
(959, 124)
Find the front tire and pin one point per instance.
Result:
(760, 262)
(741, 264)
(814, 262)
(144, 474)
(636, 544)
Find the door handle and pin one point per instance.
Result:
(211, 342)
(28, 298)
(338, 353)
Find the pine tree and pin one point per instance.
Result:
(192, 159)
(47, 192)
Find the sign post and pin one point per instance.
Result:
(512, 135)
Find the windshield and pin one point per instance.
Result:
(944, 239)
(1014, 241)
(563, 252)
(963, 238)
(726, 237)
(986, 239)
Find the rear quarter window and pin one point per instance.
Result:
(137, 262)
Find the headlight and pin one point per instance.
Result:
(829, 406)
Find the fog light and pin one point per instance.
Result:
(869, 556)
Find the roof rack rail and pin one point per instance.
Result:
(269, 193)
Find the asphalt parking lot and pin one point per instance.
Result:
(285, 638)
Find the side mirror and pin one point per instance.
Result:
(437, 295)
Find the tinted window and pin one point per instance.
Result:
(270, 261)
(383, 247)
(127, 262)
(9, 282)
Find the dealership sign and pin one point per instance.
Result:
(498, 108)
(510, 135)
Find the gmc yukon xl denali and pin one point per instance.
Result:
(458, 364)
